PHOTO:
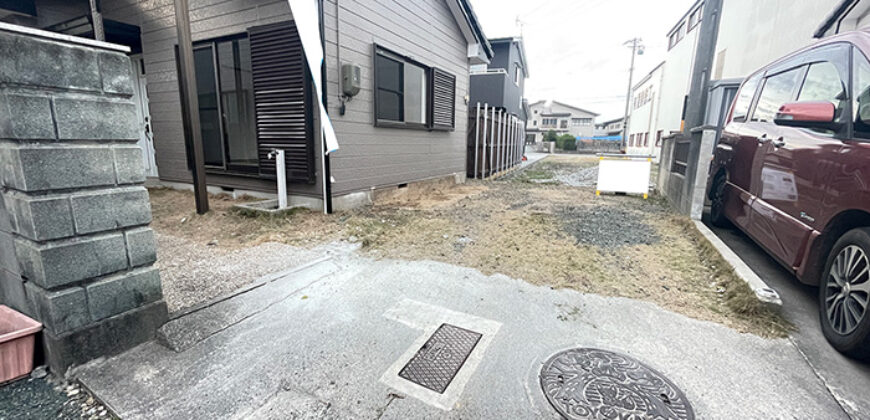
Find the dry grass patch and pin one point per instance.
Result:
(553, 235)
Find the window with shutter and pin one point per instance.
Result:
(443, 100)
(282, 98)
(409, 94)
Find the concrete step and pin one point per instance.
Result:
(192, 326)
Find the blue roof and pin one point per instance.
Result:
(608, 138)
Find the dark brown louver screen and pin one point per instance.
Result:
(282, 98)
(443, 100)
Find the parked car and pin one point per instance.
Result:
(792, 170)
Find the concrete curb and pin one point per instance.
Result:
(268, 278)
(763, 292)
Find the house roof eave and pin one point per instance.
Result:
(470, 25)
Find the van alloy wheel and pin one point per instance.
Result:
(847, 290)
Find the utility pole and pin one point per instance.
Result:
(636, 49)
(190, 102)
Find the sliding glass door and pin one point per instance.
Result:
(226, 104)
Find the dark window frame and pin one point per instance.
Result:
(675, 37)
(696, 17)
(403, 59)
(227, 168)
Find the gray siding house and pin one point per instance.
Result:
(502, 83)
(406, 124)
(561, 119)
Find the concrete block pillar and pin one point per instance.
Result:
(76, 252)
(702, 171)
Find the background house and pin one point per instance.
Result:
(561, 118)
(610, 128)
(406, 125)
(502, 82)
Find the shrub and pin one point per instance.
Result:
(551, 136)
(564, 139)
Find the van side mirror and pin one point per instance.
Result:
(815, 114)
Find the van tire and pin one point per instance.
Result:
(717, 199)
(853, 342)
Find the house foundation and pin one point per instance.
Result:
(76, 252)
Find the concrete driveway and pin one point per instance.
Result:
(846, 379)
(327, 340)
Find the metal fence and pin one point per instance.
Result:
(496, 141)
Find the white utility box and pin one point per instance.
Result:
(628, 174)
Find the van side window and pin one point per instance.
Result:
(861, 95)
(823, 83)
(744, 99)
(778, 90)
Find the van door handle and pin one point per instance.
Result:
(780, 142)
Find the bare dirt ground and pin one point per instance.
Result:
(529, 225)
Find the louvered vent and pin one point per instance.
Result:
(443, 100)
(282, 98)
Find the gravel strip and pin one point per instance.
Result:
(193, 273)
(587, 177)
(48, 398)
(607, 226)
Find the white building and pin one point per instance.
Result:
(656, 109)
(645, 134)
(560, 118)
(754, 33)
(751, 35)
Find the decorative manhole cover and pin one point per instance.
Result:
(437, 362)
(598, 384)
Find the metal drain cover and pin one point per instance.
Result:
(437, 362)
(598, 384)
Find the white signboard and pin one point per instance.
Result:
(624, 174)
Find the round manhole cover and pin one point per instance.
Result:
(598, 384)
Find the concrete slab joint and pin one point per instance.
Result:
(77, 251)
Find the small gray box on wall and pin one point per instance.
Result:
(351, 79)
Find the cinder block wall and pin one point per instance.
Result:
(77, 253)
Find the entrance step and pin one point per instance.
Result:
(190, 327)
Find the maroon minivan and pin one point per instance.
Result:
(792, 170)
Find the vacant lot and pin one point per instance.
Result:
(534, 225)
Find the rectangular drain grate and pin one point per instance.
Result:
(437, 362)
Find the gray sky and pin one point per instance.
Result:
(574, 47)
